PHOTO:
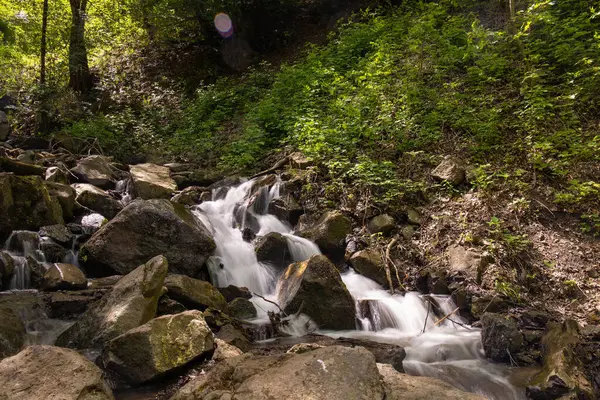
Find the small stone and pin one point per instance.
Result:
(241, 309)
(382, 224)
(449, 170)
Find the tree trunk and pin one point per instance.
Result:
(79, 72)
(43, 44)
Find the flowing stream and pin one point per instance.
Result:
(450, 350)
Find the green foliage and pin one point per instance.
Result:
(509, 290)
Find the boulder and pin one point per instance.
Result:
(67, 375)
(58, 175)
(143, 230)
(241, 309)
(316, 286)
(224, 351)
(7, 268)
(286, 209)
(168, 306)
(131, 302)
(194, 293)
(588, 352)
(152, 181)
(562, 375)
(383, 224)
(233, 336)
(299, 160)
(59, 233)
(329, 233)
(370, 263)
(500, 337)
(96, 170)
(26, 204)
(330, 373)
(18, 167)
(53, 252)
(469, 262)
(4, 126)
(70, 305)
(273, 250)
(233, 292)
(159, 346)
(97, 200)
(62, 276)
(12, 333)
(400, 386)
(191, 195)
(65, 195)
(449, 170)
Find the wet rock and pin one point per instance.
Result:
(58, 175)
(562, 375)
(330, 373)
(62, 276)
(23, 242)
(12, 333)
(469, 262)
(316, 288)
(131, 302)
(241, 309)
(104, 283)
(233, 292)
(191, 195)
(329, 233)
(500, 337)
(66, 375)
(97, 200)
(26, 204)
(588, 352)
(224, 351)
(59, 233)
(406, 387)
(370, 263)
(6, 269)
(449, 170)
(216, 319)
(492, 304)
(273, 250)
(159, 346)
(145, 229)
(194, 293)
(96, 170)
(21, 168)
(65, 195)
(53, 252)
(286, 209)
(383, 224)
(233, 336)
(152, 181)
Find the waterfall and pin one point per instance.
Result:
(24, 249)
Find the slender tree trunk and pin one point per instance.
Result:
(79, 72)
(43, 45)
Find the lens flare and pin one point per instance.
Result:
(224, 25)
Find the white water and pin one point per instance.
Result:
(447, 350)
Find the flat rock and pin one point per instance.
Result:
(96, 170)
(61, 276)
(48, 372)
(194, 293)
(152, 181)
(97, 200)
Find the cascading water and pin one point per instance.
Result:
(449, 350)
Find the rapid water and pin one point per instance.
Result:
(449, 350)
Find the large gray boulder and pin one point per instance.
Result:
(194, 293)
(97, 200)
(19, 167)
(158, 346)
(152, 181)
(316, 288)
(143, 230)
(26, 204)
(449, 170)
(329, 233)
(12, 332)
(500, 336)
(96, 170)
(48, 372)
(400, 386)
(383, 224)
(330, 373)
(130, 303)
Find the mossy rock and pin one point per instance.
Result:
(329, 233)
(12, 333)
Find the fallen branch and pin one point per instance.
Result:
(278, 165)
(269, 301)
(445, 317)
(427, 316)
(389, 259)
